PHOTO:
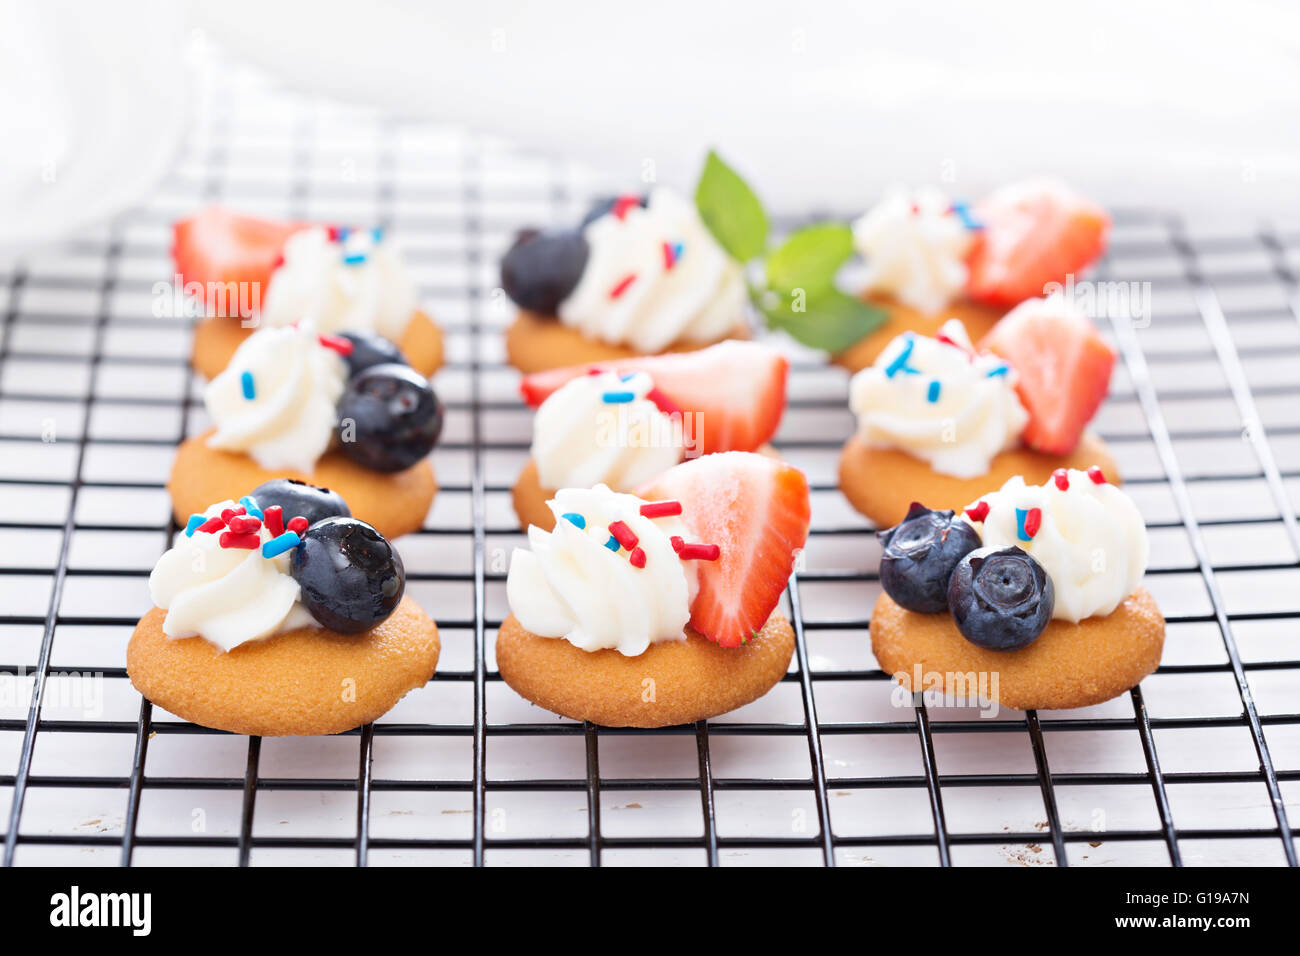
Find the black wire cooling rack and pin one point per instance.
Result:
(1196, 766)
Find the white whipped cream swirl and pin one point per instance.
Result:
(655, 276)
(572, 586)
(602, 429)
(1092, 541)
(915, 248)
(939, 402)
(277, 399)
(228, 596)
(356, 284)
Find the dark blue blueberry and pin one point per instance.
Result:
(1001, 598)
(920, 553)
(602, 207)
(369, 349)
(542, 268)
(349, 577)
(389, 418)
(298, 498)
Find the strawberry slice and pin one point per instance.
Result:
(220, 246)
(1034, 233)
(735, 390)
(756, 510)
(1063, 367)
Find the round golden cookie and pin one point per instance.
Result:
(300, 683)
(1070, 665)
(977, 318)
(882, 483)
(530, 499)
(535, 343)
(216, 338)
(673, 682)
(394, 503)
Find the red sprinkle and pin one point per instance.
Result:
(244, 524)
(1094, 473)
(297, 525)
(670, 258)
(248, 542)
(595, 370)
(1033, 521)
(336, 342)
(663, 402)
(699, 552)
(274, 517)
(229, 513)
(677, 543)
(1062, 479)
(661, 509)
(333, 233)
(978, 511)
(279, 261)
(622, 204)
(212, 525)
(622, 286)
(623, 534)
(636, 558)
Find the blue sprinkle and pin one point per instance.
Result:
(900, 363)
(248, 385)
(251, 506)
(612, 543)
(628, 377)
(280, 544)
(575, 519)
(617, 398)
(1021, 514)
(678, 248)
(354, 258)
(344, 232)
(933, 393)
(993, 373)
(964, 214)
(377, 235)
(193, 524)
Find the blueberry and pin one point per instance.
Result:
(298, 498)
(369, 349)
(349, 577)
(1001, 598)
(920, 553)
(603, 206)
(542, 268)
(389, 418)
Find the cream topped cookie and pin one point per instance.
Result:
(1086, 533)
(940, 401)
(606, 429)
(915, 246)
(226, 578)
(654, 276)
(342, 280)
(608, 576)
(277, 400)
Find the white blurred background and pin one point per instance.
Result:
(821, 104)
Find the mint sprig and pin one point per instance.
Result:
(800, 296)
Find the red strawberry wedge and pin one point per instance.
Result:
(1063, 367)
(219, 246)
(735, 390)
(756, 510)
(1033, 234)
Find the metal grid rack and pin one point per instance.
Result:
(1196, 766)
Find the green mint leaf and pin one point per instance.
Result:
(809, 258)
(731, 211)
(823, 318)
